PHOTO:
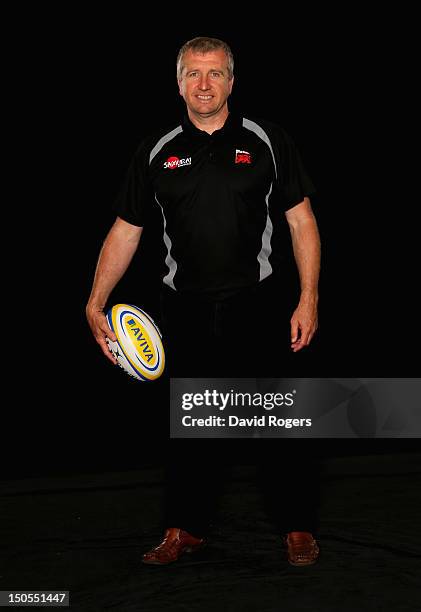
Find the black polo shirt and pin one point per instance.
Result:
(219, 195)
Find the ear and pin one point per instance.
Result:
(179, 81)
(231, 83)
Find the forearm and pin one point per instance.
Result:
(116, 254)
(306, 246)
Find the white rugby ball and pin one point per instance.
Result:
(138, 349)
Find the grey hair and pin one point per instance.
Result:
(204, 44)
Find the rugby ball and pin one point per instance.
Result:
(138, 348)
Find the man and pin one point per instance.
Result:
(219, 180)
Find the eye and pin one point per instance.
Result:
(216, 74)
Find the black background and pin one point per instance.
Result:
(344, 93)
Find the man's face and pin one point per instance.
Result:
(204, 84)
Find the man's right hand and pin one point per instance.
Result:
(100, 329)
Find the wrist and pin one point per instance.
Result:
(309, 295)
(92, 306)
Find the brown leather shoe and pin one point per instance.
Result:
(302, 548)
(175, 543)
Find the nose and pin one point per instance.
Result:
(204, 84)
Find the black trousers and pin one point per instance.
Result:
(248, 336)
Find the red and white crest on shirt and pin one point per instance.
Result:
(242, 157)
(175, 162)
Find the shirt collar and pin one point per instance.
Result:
(233, 121)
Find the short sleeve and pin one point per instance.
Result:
(135, 192)
(294, 182)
